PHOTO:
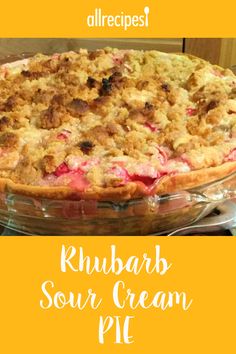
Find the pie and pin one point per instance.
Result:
(114, 124)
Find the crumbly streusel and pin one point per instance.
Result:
(110, 117)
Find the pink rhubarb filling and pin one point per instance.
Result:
(145, 175)
(63, 175)
(191, 111)
(151, 126)
(231, 156)
(217, 73)
(144, 181)
(64, 135)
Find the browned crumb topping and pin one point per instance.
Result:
(114, 116)
(9, 140)
(5, 122)
(78, 107)
(52, 117)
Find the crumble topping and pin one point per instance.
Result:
(110, 117)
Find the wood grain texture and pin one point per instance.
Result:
(228, 53)
(165, 44)
(205, 48)
(52, 45)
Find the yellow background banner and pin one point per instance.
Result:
(182, 18)
(201, 268)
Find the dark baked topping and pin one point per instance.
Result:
(42, 96)
(95, 54)
(112, 128)
(31, 75)
(91, 82)
(137, 115)
(148, 110)
(165, 87)
(86, 146)
(26, 73)
(142, 84)
(64, 64)
(98, 104)
(59, 100)
(117, 80)
(48, 163)
(233, 93)
(51, 118)
(211, 105)
(9, 140)
(148, 107)
(105, 88)
(78, 107)
(51, 163)
(116, 76)
(9, 104)
(5, 122)
(98, 135)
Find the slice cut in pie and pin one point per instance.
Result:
(114, 124)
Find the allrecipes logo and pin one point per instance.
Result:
(121, 20)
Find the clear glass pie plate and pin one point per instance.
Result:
(150, 215)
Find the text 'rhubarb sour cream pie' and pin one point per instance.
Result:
(114, 124)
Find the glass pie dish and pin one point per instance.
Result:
(150, 215)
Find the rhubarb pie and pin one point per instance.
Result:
(114, 124)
